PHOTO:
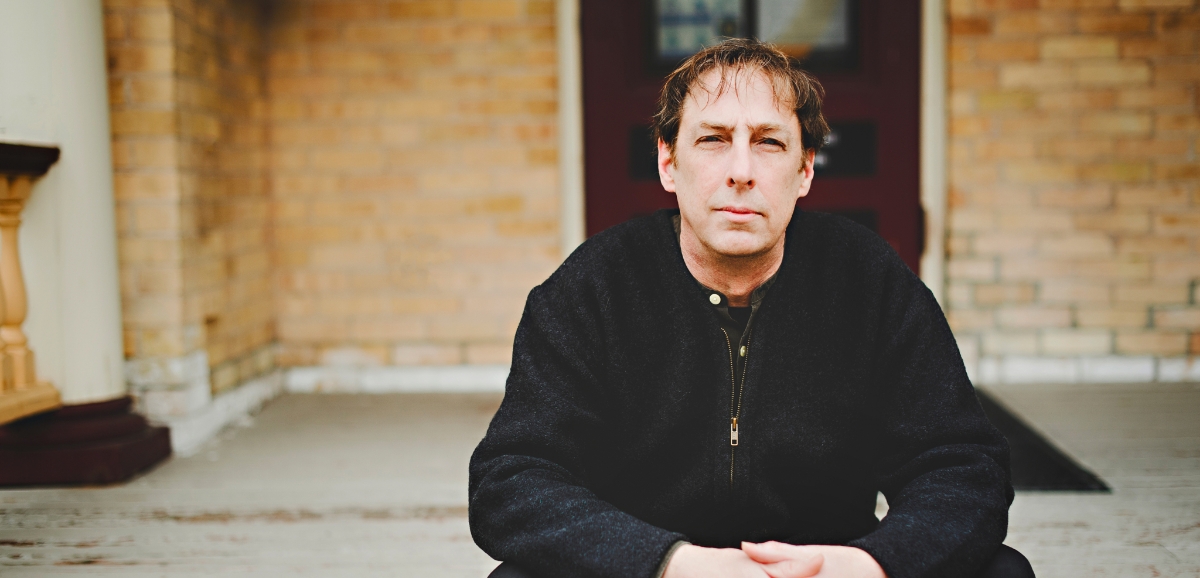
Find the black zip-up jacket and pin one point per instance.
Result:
(612, 442)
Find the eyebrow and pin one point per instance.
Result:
(755, 129)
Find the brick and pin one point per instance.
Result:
(1152, 293)
(971, 269)
(1071, 4)
(1041, 172)
(151, 26)
(1076, 342)
(345, 10)
(969, 319)
(1194, 343)
(1010, 342)
(1177, 317)
(143, 122)
(959, 295)
(991, 101)
(1112, 73)
(1128, 268)
(1007, 50)
(1091, 148)
(1124, 317)
(1116, 172)
(123, 59)
(1158, 46)
(970, 125)
(1006, 5)
(1033, 269)
(1093, 23)
(1176, 268)
(1028, 125)
(1018, 317)
(1141, 4)
(1125, 123)
(1006, 149)
(1177, 222)
(1155, 97)
(1074, 100)
(406, 9)
(1035, 221)
(1177, 21)
(1032, 22)
(488, 9)
(1176, 171)
(1151, 343)
(1073, 292)
(1072, 47)
(1009, 293)
(1177, 122)
(1004, 244)
(1079, 244)
(1040, 75)
(970, 26)
(489, 353)
(1167, 72)
(1154, 245)
(1153, 148)
(1094, 197)
(115, 26)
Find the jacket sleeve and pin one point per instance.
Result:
(942, 466)
(529, 500)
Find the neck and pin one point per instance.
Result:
(734, 276)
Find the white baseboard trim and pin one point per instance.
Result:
(395, 379)
(190, 432)
(1012, 369)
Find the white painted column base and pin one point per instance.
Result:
(189, 432)
(398, 379)
(1085, 369)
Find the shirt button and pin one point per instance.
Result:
(714, 299)
(742, 351)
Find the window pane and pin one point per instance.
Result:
(800, 27)
(686, 26)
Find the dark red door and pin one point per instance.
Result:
(872, 104)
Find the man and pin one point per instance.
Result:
(723, 390)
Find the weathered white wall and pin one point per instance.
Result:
(53, 90)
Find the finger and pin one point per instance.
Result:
(768, 552)
(804, 567)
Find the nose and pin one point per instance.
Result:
(741, 169)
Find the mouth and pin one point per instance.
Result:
(738, 214)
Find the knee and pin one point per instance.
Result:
(509, 570)
(1007, 563)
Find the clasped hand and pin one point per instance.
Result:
(773, 560)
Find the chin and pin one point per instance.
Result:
(733, 244)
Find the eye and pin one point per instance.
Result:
(709, 138)
(772, 142)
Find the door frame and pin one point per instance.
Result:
(933, 181)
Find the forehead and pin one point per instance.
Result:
(742, 92)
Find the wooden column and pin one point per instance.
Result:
(21, 394)
(42, 442)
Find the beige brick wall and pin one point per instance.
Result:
(1074, 217)
(414, 169)
(188, 99)
(336, 182)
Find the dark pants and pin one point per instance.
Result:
(1008, 563)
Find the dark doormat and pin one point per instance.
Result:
(1036, 464)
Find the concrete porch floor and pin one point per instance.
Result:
(375, 485)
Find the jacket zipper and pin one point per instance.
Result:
(735, 397)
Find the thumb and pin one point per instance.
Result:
(803, 566)
(767, 552)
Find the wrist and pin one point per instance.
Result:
(869, 565)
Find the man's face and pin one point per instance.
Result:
(739, 164)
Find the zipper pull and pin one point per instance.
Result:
(733, 433)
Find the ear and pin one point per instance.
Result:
(807, 172)
(666, 167)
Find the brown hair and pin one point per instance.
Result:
(799, 88)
